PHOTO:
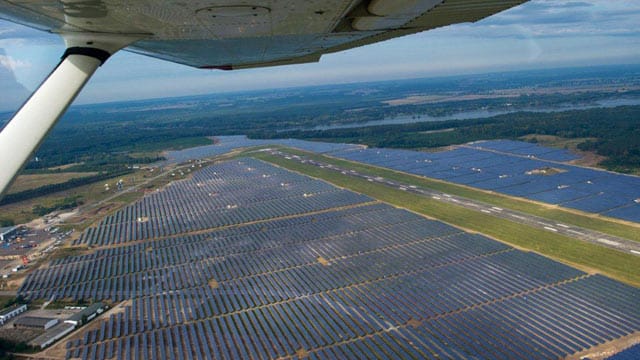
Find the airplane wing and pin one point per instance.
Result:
(232, 34)
(210, 34)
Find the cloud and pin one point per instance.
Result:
(546, 18)
(574, 4)
(19, 35)
(12, 64)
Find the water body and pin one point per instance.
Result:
(479, 114)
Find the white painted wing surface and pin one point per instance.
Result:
(231, 34)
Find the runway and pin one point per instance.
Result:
(592, 236)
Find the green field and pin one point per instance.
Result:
(586, 256)
(588, 221)
(23, 211)
(33, 181)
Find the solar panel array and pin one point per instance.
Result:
(360, 280)
(227, 194)
(506, 166)
(502, 166)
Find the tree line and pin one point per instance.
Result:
(616, 130)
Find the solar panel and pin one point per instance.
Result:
(347, 279)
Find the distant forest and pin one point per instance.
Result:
(111, 137)
(111, 146)
(617, 131)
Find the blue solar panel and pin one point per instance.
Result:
(507, 168)
(532, 187)
(630, 212)
(474, 178)
(365, 280)
(598, 203)
(632, 353)
(526, 149)
(558, 196)
(499, 165)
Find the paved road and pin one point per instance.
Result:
(595, 237)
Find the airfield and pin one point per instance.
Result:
(246, 259)
(614, 242)
(507, 167)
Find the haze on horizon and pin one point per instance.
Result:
(538, 34)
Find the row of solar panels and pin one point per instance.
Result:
(589, 190)
(228, 240)
(185, 266)
(526, 149)
(368, 280)
(510, 167)
(551, 322)
(187, 205)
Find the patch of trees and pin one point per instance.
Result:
(7, 346)
(96, 146)
(69, 202)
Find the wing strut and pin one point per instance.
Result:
(27, 129)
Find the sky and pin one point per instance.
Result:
(537, 34)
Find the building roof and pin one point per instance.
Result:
(51, 334)
(86, 311)
(7, 229)
(9, 309)
(33, 321)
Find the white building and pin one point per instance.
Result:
(35, 322)
(11, 312)
(87, 314)
(6, 232)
